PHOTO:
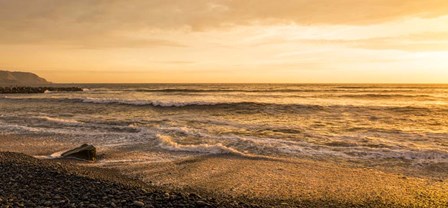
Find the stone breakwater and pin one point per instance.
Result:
(32, 90)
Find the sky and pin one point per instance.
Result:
(227, 41)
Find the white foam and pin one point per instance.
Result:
(260, 145)
(166, 142)
(145, 102)
(263, 146)
(60, 120)
(14, 128)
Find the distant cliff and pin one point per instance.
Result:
(20, 78)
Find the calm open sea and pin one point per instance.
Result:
(356, 122)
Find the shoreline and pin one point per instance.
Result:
(256, 182)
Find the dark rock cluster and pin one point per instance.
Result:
(31, 90)
(29, 182)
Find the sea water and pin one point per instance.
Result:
(358, 122)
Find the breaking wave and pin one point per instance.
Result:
(147, 102)
(238, 105)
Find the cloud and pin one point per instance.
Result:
(23, 21)
(428, 41)
(127, 43)
(212, 13)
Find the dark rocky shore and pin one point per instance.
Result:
(29, 182)
(32, 90)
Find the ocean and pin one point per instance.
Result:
(352, 122)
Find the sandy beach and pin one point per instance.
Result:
(29, 182)
(278, 182)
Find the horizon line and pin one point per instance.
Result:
(311, 83)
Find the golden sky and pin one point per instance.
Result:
(300, 41)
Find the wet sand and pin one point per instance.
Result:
(296, 181)
(283, 182)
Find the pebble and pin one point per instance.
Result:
(139, 203)
(202, 203)
(47, 186)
